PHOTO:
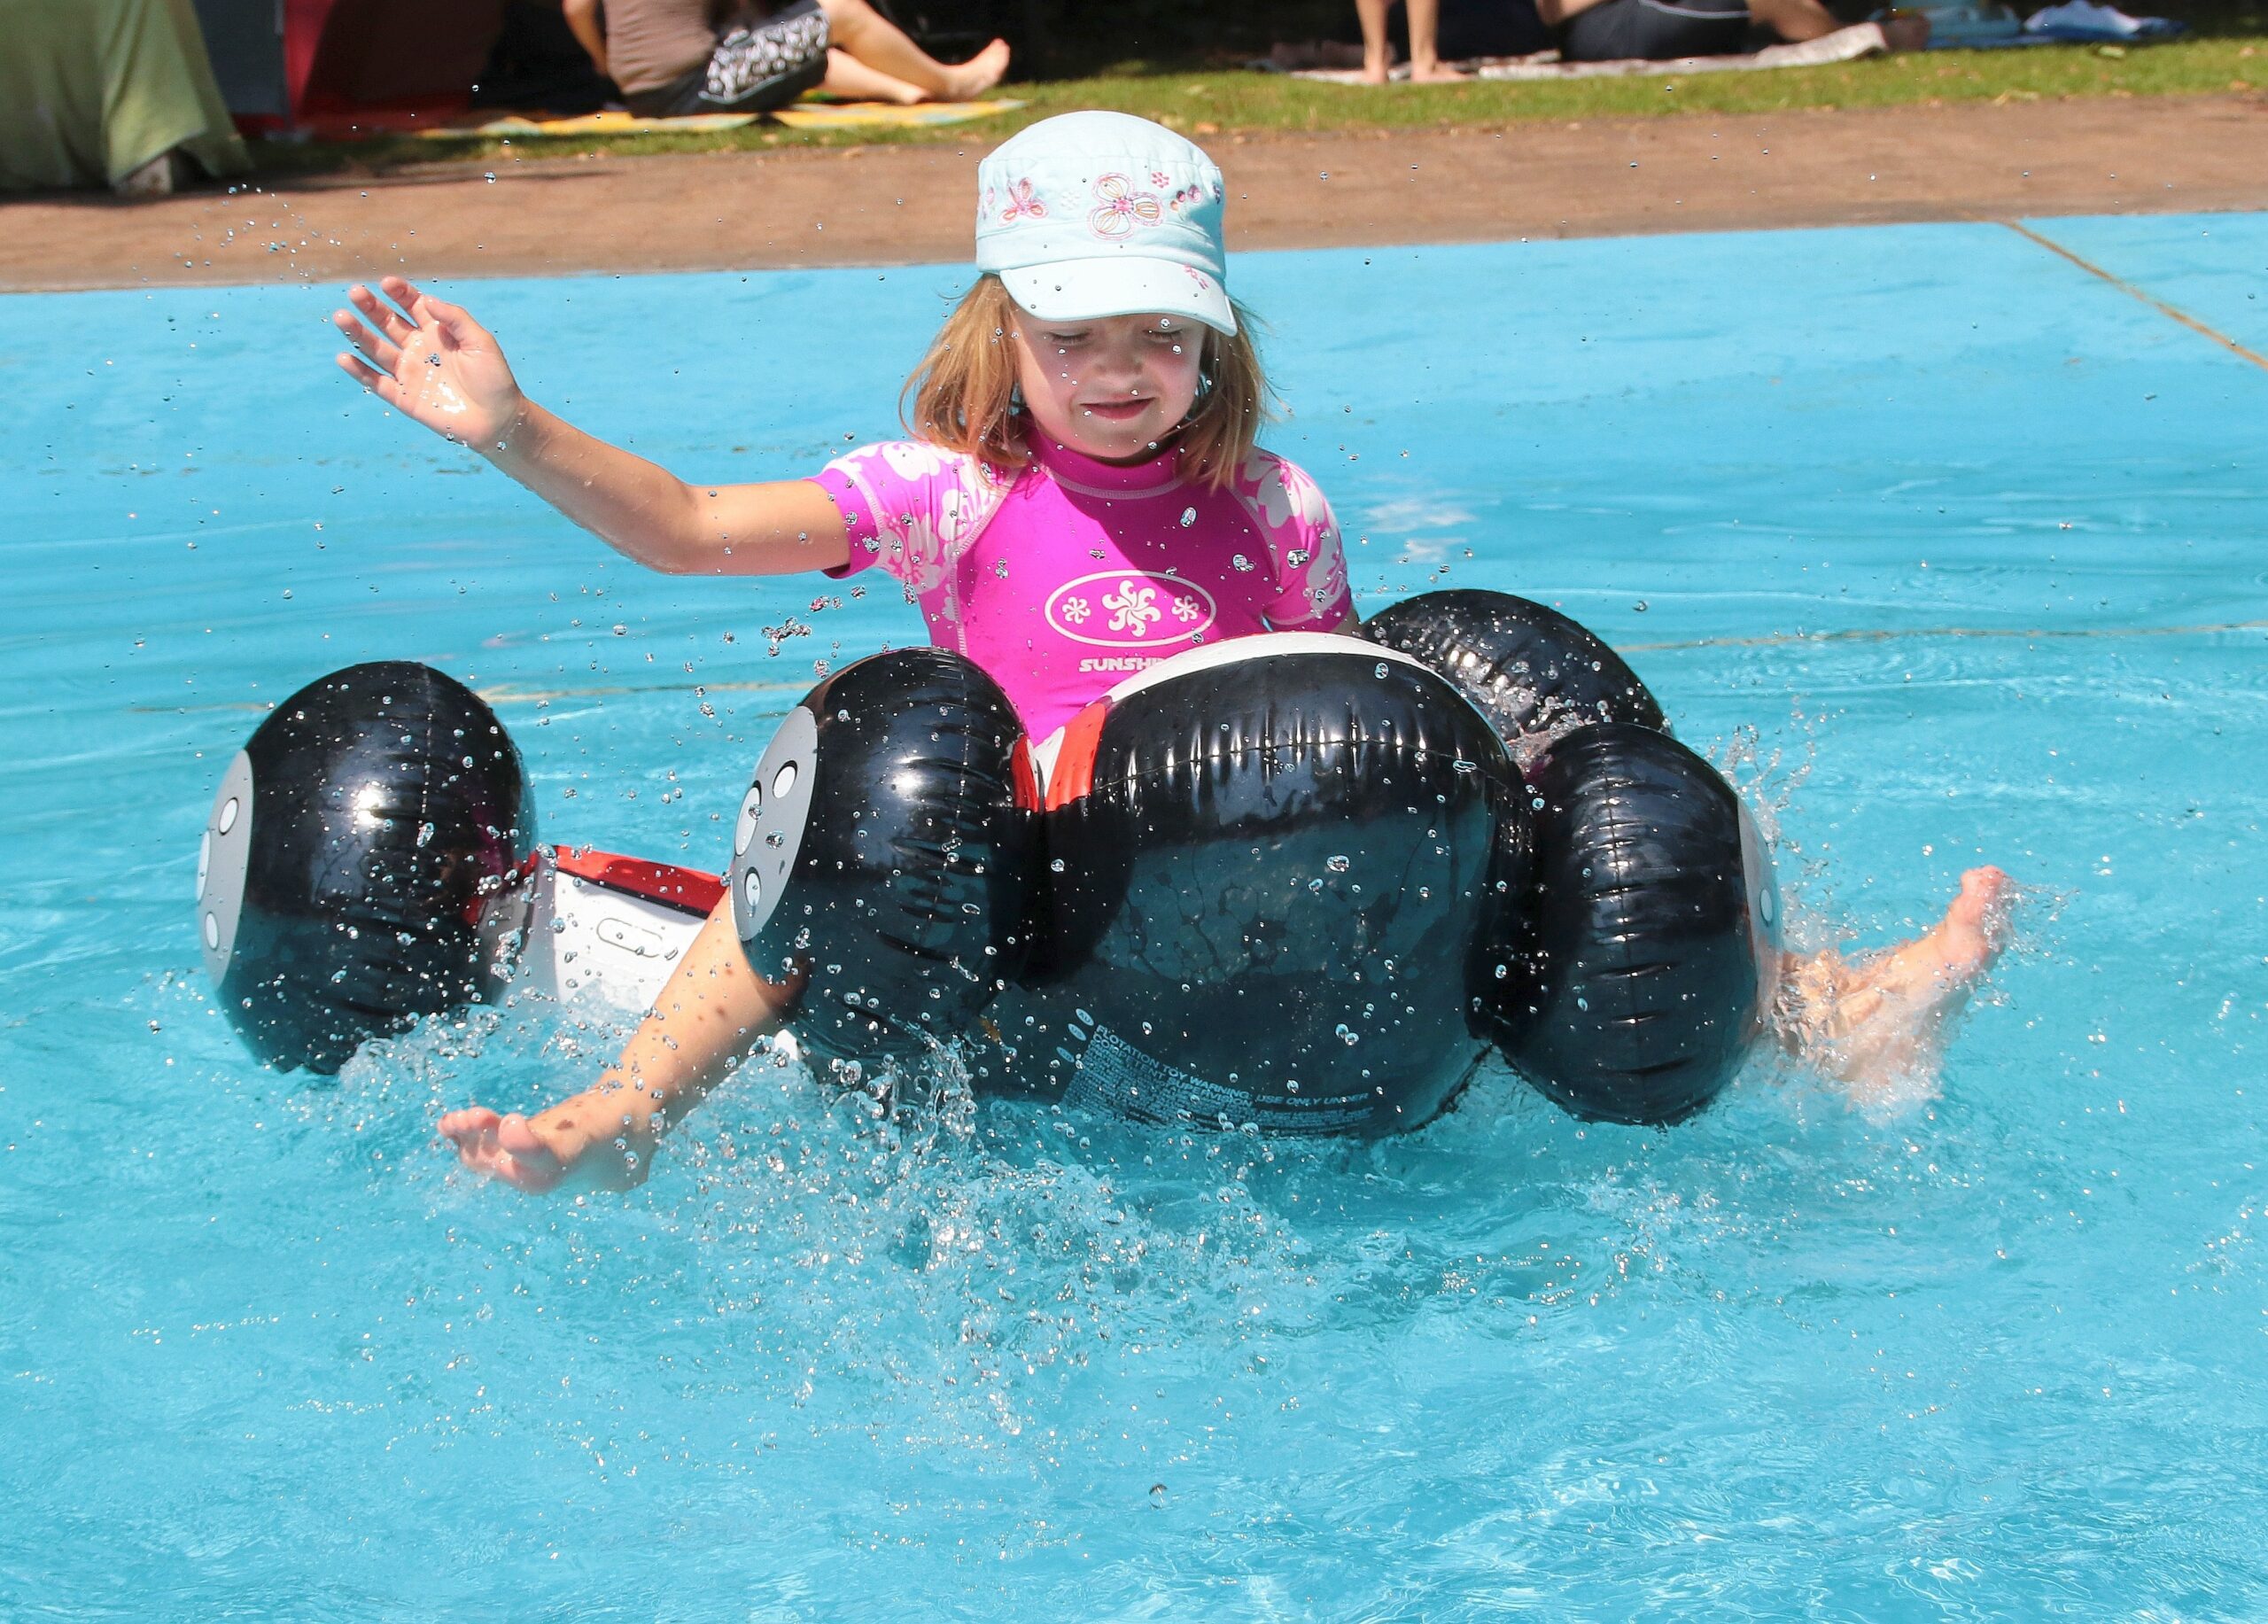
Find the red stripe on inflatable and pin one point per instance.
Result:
(511, 878)
(687, 889)
(1074, 773)
(1022, 776)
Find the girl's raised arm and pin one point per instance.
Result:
(433, 363)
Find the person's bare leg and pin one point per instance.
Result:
(1425, 66)
(854, 82)
(1872, 1022)
(604, 1137)
(1378, 50)
(1794, 20)
(865, 34)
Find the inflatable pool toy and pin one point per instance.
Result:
(1655, 953)
(1288, 839)
(1279, 861)
(1532, 673)
(1294, 880)
(371, 859)
(1651, 946)
(887, 847)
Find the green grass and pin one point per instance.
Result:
(1208, 103)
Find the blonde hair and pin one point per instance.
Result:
(962, 394)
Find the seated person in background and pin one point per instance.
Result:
(1660, 30)
(672, 57)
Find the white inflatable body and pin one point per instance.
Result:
(598, 930)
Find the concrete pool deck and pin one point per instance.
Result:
(900, 205)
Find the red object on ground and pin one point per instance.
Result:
(341, 67)
(687, 890)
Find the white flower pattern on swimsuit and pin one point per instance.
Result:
(926, 501)
(1293, 515)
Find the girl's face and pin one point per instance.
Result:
(1114, 388)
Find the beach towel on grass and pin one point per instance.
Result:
(1844, 46)
(802, 115)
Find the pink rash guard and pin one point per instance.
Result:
(1065, 578)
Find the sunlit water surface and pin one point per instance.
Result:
(1972, 539)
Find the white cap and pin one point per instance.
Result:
(1092, 214)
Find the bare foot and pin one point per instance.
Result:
(1376, 70)
(978, 75)
(1436, 72)
(1910, 33)
(1876, 1022)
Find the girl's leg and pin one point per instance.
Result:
(605, 1136)
(1868, 1022)
(1424, 63)
(1378, 50)
(854, 82)
(864, 33)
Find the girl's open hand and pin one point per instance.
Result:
(431, 362)
(509, 1149)
(553, 1147)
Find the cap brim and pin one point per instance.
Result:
(1088, 289)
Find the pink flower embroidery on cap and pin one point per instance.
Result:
(1021, 201)
(1122, 209)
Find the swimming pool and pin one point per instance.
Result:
(1969, 529)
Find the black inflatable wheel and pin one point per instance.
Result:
(348, 853)
(1268, 864)
(886, 850)
(1532, 671)
(1654, 931)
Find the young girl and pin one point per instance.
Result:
(1088, 410)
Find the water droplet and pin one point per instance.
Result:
(1337, 864)
(1381, 670)
(1056, 866)
(1348, 1036)
(1188, 517)
(1502, 971)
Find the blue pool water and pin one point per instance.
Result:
(1972, 537)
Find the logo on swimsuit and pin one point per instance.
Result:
(1130, 609)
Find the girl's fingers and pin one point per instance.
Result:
(402, 293)
(376, 382)
(455, 1122)
(383, 355)
(381, 315)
